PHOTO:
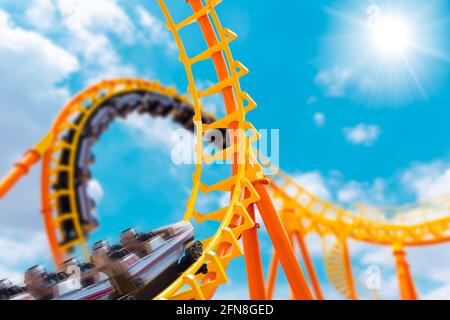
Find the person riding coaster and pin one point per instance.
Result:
(140, 267)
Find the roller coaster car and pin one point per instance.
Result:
(100, 121)
(140, 267)
(146, 263)
(71, 186)
(155, 105)
(42, 285)
(8, 291)
(84, 203)
(185, 116)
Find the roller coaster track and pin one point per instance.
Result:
(64, 182)
(320, 216)
(66, 164)
(336, 262)
(303, 213)
(66, 208)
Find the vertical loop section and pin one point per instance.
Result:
(234, 218)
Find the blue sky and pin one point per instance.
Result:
(356, 124)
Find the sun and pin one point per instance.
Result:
(391, 51)
(392, 35)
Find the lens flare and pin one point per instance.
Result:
(392, 35)
(394, 51)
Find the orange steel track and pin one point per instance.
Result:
(248, 188)
(304, 213)
(228, 74)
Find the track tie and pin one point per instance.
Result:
(216, 88)
(62, 218)
(221, 275)
(191, 281)
(229, 237)
(60, 193)
(217, 215)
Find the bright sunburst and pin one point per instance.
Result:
(390, 48)
(392, 35)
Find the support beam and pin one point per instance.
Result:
(29, 159)
(253, 263)
(405, 280)
(348, 270)
(309, 266)
(282, 245)
(273, 272)
(20, 169)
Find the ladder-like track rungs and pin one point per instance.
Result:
(63, 218)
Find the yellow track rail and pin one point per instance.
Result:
(320, 216)
(84, 104)
(234, 218)
(311, 213)
(339, 269)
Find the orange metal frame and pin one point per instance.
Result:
(271, 219)
(283, 240)
(405, 281)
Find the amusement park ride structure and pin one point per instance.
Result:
(288, 210)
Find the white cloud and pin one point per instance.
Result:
(315, 245)
(100, 59)
(377, 255)
(80, 36)
(428, 180)
(350, 192)
(155, 29)
(314, 183)
(319, 119)
(85, 27)
(362, 134)
(362, 192)
(88, 25)
(41, 14)
(334, 186)
(431, 263)
(150, 132)
(334, 81)
(93, 29)
(389, 286)
(16, 253)
(95, 191)
(30, 90)
(442, 293)
(96, 16)
(30, 96)
(419, 260)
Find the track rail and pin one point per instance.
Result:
(338, 267)
(74, 118)
(245, 183)
(66, 165)
(245, 177)
(317, 215)
(234, 218)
